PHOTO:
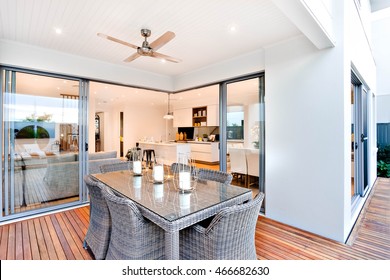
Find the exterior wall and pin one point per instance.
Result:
(381, 47)
(305, 135)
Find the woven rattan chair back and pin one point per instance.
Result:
(99, 229)
(215, 175)
(230, 234)
(124, 165)
(132, 237)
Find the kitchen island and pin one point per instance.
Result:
(168, 151)
(205, 151)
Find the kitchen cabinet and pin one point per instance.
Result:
(182, 117)
(213, 115)
(205, 151)
(197, 116)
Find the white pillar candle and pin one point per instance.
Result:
(158, 173)
(137, 167)
(137, 182)
(185, 200)
(184, 180)
(158, 191)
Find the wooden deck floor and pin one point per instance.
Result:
(60, 236)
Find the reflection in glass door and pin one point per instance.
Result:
(245, 132)
(40, 144)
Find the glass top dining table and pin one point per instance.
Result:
(170, 208)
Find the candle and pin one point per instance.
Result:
(184, 180)
(158, 173)
(137, 168)
(185, 200)
(137, 182)
(158, 191)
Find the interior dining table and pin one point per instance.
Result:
(171, 208)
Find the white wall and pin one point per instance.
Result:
(31, 57)
(139, 122)
(305, 137)
(308, 116)
(381, 47)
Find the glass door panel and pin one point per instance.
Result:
(244, 132)
(360, 139)
(40, 146)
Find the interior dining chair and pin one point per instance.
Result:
(175, 167)
(132, 236)
(229, 236)
(99, 229)
(215, 175)
(252, 157)
(124, 165)
(238, 164)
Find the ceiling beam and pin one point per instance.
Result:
(313, 18)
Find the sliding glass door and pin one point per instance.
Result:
(359, 139)
(42, 143)
(243, 128)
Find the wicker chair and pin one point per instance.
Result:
(176, 166)
(99, 229)
(124, 165)
(230, 235)
(215, 175)
(132, 237)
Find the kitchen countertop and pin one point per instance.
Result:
(163, 143)
(202, 142)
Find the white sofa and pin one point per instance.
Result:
(62, 173)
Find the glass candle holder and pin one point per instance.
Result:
(185, 173)
(158, 170)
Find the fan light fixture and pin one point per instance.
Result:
(169, 115)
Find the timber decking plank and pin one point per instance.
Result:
(78, 235)
(33, 240)
(44, 255)
(26, 242)
(4, 242)
(48, 240)
(11, 242)
(18, 242)
(56, 241)
(61, 236)
(68, 233)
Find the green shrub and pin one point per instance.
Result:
(383, 169)
(384, 153)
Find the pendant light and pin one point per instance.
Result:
(169, 115)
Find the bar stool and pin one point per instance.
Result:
(149, 156)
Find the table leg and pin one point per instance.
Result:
(172, 245)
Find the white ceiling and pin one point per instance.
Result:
(202, 28)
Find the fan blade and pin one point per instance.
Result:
(162, 40)
(117, 40)
(132, 57)
(163, 56)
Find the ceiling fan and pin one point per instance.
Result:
(147, 49)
